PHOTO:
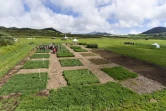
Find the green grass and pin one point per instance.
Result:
(64, 53)
(36, 64)
(40, 56)
(119, 73)
(98, 97)
(70, 62)
(75, 47)
(42, 51)
(80, 50)
(143, 50)
(12, 55)
(80, 77)
(25, 83)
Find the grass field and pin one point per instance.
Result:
(40, 56)
(70, 62)
(36, 64)
(64, 53)
(80, 50)
(119, 73)
(80, 77)
(42, 51)
(23, 83)
(100, 97)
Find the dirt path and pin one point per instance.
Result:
(103, 77)
(150, 71)
(28, 71)
(56, 79)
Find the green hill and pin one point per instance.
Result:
(155, 30)
(26, 32)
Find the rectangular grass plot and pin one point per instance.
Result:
(42, 51)
(36, 64)
(40, 56)
(80, 77)
(25, 83)
(80, 50)
(87, 54)
(70, 62)
(119, 73)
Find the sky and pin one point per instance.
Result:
(84, 16)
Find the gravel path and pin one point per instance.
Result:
(27, 71)
(56, 79)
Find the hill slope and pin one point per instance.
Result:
(22, 32)
(155, 30)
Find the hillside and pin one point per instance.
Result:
(155, 30)
(23, 32)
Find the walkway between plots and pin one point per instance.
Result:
(103, 77)
(56, 79)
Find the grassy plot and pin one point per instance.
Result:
(88, 54)
(64, 53)
(99, 97)
(119, 73)
(36, 64)
(42, 51)
(25, 83)
(70, 62)
(40, 56)
(80, 77)
(80, 50)
(75, 47)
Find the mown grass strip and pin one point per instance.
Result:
(75, 47)
(80, 50)
(42, 51)
(40, 56)
(23, 83)
(80, 77)
(70, 62)
(119, 73)
(36, 64)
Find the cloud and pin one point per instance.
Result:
(113, 16)
(133, 31)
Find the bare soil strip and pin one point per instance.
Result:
(103, 77)
(40, 59)
(56, 79)
(148, 70)
(27, 71)
(142, 85)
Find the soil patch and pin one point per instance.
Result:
(99, 61)
(87, 54)
(143, 68)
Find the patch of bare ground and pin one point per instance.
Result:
(40, 59)
(4, 79)
(142, 85)
(28, 71)
(103, 77)
(148, 70)
(56, 80)
(87, 54)
(14, 101)
(98, 61)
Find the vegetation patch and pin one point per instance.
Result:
(82, 43)
(99, 61)
(40, 56)
(92, 46)
(75, 47)
(36, 64)
(119, 73)
(80, 77)
(70, 62)
(42, 51)
(64, 53)
(87, 54)
(25, 83)
(80, 50)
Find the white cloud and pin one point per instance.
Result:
(153, 23)
(133, 31)
(93, 14)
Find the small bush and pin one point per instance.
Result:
(92, 46)
(119, 73)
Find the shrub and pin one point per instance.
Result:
(92, 46)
